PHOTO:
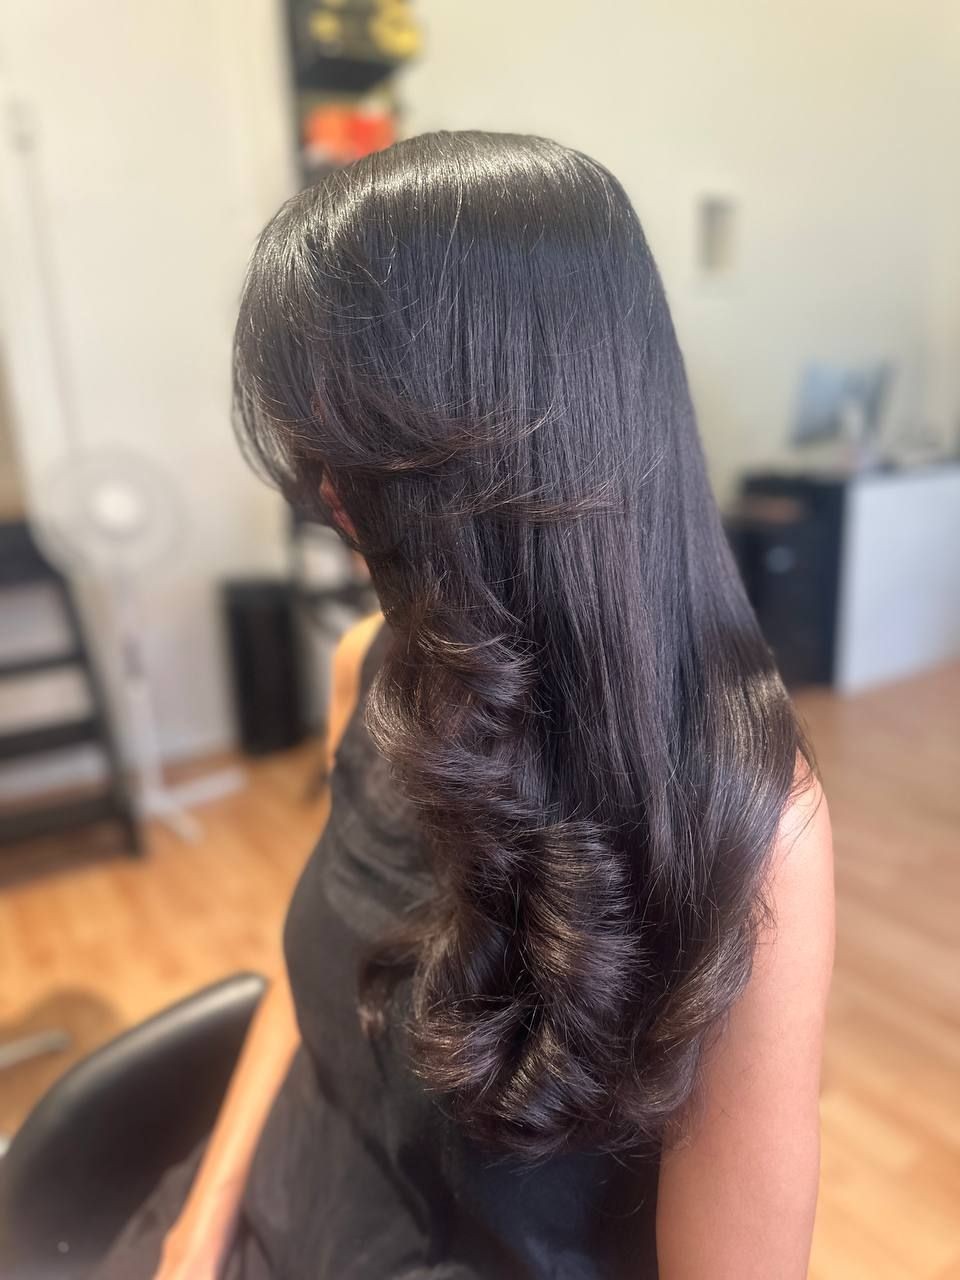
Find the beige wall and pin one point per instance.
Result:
(834, 124)
(11, 491)
(162, 139)
(159, 144)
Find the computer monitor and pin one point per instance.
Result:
(834, 403)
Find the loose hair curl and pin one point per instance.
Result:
(466, 335)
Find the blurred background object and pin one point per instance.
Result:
(795, 170)
(343, 56)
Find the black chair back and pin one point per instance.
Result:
(99, 1141)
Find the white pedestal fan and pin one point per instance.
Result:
(109, 517)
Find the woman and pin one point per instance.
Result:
(560, 961)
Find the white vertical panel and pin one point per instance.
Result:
(900, 582)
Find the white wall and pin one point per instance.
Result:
(834, 123)
(158, 145)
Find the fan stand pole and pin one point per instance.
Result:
(156, 799)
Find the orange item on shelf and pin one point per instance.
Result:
(337, 134)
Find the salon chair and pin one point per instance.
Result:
(98, 1142)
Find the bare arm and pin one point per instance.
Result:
(196, 1245)
(737, 1198)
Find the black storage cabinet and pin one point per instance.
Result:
(787, 533)
(265, 665)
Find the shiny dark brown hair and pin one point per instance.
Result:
(467, 336)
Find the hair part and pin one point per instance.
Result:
(467, 335)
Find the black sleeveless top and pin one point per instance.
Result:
(359, 1174)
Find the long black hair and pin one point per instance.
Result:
(467, 338)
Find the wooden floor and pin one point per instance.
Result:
(890, 1193)
(94, 940)
(99, 941)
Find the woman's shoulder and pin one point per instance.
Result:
(803, 852)
(346, 677)
(355, 644)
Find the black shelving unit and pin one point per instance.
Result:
(22, 564)
(344, 53)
